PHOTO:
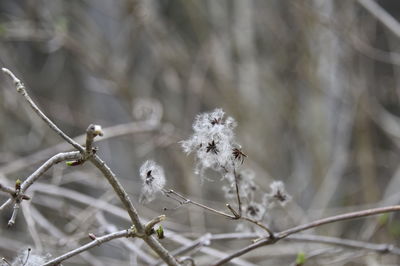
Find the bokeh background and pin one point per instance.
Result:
(313, 85)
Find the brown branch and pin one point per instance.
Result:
(297, 229)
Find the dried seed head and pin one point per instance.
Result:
(213, 142)
(153, 180)
(254, 211)
(278, 195)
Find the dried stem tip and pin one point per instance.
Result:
(20, 86)
(94, 130)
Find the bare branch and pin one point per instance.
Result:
(236, 216)
(123, 196)
(11, 222)
(100, 164)
(96, 242)
(237, 193)
(18, 196)
(297, 229)
(7, 189)
(376, 10)
(21, 89)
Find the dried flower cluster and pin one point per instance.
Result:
(215, 148)
(213, 142)
(277, 196)
(153, 179)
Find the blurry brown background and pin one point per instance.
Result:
(313, 85)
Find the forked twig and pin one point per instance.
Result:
(102, 166)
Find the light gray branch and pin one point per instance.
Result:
(35, 176)
(7, 189)
(382, 15)
(96, 242)
(283, 234)
(21, 89)
(120, 191)
(101, 165)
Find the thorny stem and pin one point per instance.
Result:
(102, 166)
(283, 234)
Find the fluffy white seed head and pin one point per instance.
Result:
(277, 195)
(254, 211)
(30, 258)
(212, 141)
(153, 179)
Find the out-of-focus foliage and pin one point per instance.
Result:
(312, 84)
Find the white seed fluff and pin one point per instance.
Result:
(30, 258)
(254, 211)
(278, 195)
(212, 141)
(153, 179)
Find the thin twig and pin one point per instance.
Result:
(108, 174)
(22, 90)
(297, 229)
(123, 196)
(41, 170)
(7, 189)
(110, 132)
(60, 157)
(96, 242)
(349, 243)
(237, 193)
(188, 201)
(17, 196)
(382, 15)
(382, 248)
(11, 222)
(183, 200)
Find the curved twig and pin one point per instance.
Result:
(303, 227)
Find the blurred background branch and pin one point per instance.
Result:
(313, 85)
